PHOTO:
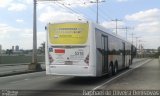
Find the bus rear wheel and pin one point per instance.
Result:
(111, 70)
(129, 64)
(115, 69)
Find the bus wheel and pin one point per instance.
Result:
(129, 64)
(110, 70)
(115, 69)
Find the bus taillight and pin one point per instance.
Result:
(87, 60)
(59, 51)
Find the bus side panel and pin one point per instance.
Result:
(98, 53)
(92, 44)
(115, 51)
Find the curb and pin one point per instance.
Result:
(140, 60)
(19, 72)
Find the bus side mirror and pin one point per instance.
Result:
(45, 27)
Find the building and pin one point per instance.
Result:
(12, 48)
(17, 48)
(0, 49)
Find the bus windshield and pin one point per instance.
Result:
(68, 33)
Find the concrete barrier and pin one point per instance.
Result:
(19, 59)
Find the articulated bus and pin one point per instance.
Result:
(85, 49)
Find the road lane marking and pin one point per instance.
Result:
(121, 75)
(110, 80)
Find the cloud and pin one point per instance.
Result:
(17, 7)
(147, 24)
(58, 11)
(150, 41)
(147, 21)
(19, 21)
(112, 24)
(28, 1)
(11, 36)
(52, 15)
(4, 28)
(142, 16)
(150, 27)
(5, 3)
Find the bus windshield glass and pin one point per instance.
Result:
(68, 33)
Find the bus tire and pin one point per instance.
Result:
(115, 69)
(129, 64)
(110, 70)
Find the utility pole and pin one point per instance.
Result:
(97, 17)
(97, 11)
(126, 30)
(137, 40)
(132, 37)
(34, 58)
(137, 46)
(116, 20)
(34, 66)
(141, 45)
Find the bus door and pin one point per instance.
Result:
(104, 54)
(123, 55)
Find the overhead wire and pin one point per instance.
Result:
(69, 8)
(78, 12)
(94, 11)
(89, 13)
(61, 5)
(103, 16)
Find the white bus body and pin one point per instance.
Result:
(84, 49)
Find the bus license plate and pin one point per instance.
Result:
(68, 62)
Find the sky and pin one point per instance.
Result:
(142, 17)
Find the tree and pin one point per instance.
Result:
(9, 51)
(159, 50)
(41, 49)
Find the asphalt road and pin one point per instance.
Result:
(141, 75)
(23, 67)
(146, 77)
(9, 69)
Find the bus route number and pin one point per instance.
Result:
(80, 53)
